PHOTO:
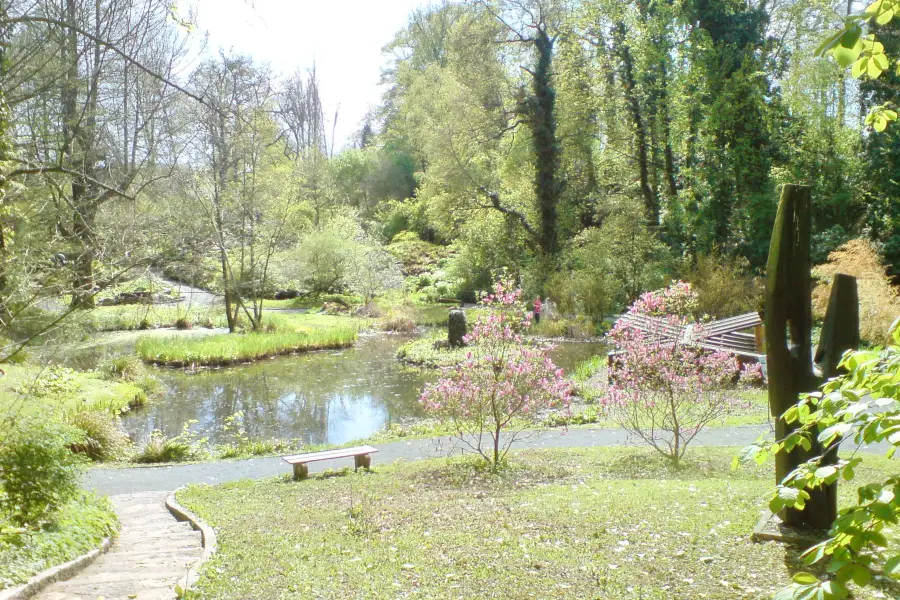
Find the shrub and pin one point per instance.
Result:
(128, 368)
(724, 287)
(879, 303)
(160, 448)
(588, 293)
(856, 410)
(678, 301)
(503, 383)
(183, 323)
(38, 472)
(102, 436)
(398, 321)
(667, 392)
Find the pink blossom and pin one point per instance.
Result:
(505, 380)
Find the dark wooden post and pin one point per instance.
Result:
(788, 343)
(840, 330)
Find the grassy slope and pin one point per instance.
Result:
(86, 391)
(78, 528)
(593, 523)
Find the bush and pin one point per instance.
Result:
(102, 439)
(663, 391)
(724, 286)
(397, 321)
(160, 448)
(183, 323)
(879, 303)
(503, 383)
(581, 292)
(38, 472)
(128, 368)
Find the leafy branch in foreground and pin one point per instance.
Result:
(864, 54)
(859, 408)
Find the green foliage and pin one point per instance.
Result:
(101, 436)
(858, 408)
(78, 527)
(235, 348)
(724, 286)
(159, 448)
(38, 472)
(432, 351)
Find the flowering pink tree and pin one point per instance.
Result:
(678, 301)
(665, 391)
(493, 396)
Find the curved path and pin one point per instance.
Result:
(152, 552)
(146, 479)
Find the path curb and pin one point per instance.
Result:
(58, 573)
(208, 536)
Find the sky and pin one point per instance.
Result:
(343, 38)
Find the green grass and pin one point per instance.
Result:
(228, 349)
(78, 527)
(422, 352)
(131, 317)
(29, 390)
(610, 523)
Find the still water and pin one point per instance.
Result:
(321, 397)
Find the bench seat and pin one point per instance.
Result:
(361, 455)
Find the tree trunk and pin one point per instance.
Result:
(542, 115)
(788, 346)
(651, 202)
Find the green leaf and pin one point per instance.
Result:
(804, 578)
(825, 472)
(884, 17)
(892, 566)
(860, 575)
(850, 37)
(834, 590)
(846, 56)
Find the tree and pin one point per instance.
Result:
(492, 396)
(372, 271)
(858, 408)
(96, 104)
(243, 187)
(667, 390)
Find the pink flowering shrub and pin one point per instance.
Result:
(666, 392)
(752, 375)
(504, 382)
(678, 300)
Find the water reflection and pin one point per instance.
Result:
(323, 397)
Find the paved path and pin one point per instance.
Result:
(153, 551)
(145, 479)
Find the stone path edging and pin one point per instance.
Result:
(208, 535)
(39, 582)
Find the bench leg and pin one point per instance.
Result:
(364, 461)
(301, 471)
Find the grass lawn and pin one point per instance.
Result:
(31, 390)
(610, 523)
(148, 316)
(77, 528)
(228, 349)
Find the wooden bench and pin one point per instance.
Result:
(360, 455)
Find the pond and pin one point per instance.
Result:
(328, 397)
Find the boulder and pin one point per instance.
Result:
(456, 328)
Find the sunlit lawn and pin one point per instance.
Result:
(592, 523)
